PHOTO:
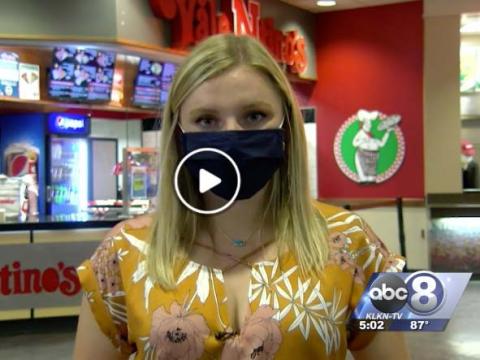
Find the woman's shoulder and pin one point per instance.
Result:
(347, 227)
(138, 227)
(117, 255)
(127, 237)
(351, 236)
(338, 218)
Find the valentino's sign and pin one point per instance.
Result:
(37, 275)
(194, 20)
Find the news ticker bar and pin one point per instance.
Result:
(419, 301)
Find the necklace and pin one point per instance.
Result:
(236, 242)
(238, 260)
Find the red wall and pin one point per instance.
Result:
(370, 58)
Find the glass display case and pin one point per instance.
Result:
(140, 179)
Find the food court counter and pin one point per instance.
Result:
(455, 231)
(38, 259)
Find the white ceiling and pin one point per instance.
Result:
(311, 5)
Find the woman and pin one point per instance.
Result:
(275, 274)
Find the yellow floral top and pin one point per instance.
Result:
(289, 314)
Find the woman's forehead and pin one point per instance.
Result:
(241, 86)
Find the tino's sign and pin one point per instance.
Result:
(369, 147)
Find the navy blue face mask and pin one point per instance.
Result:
(257, 153)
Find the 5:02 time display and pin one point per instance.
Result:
(371, 325)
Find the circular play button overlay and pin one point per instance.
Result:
(207, 180)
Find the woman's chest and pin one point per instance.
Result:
(236, 287)
(262, 310)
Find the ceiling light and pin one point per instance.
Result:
(326, 3)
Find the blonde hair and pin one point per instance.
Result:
(298, 225)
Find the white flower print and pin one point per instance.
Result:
(140, 245)
(394, 264)
(304, 311)
(203, 284)
(141, 270)
(148, 287)
(204, 277)
(311, 311)
(218, 274)
(341, 213)
(371, 249)
(121, 254)
(334, 318)
(288, 295)
(352, 230)
(148, 349)
(378, 262)
(117, 237)
(262, 283)
(117, 310)
(348, 220)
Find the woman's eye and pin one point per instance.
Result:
(256, 117)
(206, 122)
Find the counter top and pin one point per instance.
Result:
(466, 204)
(362, 204)
(469, 198)
(50, 222)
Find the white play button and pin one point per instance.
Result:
(207, 181)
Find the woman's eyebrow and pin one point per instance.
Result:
(245, 106)
(258, 104)
(202, 111)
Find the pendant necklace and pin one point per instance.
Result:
(237, 242)
(237, 260)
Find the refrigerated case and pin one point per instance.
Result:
(68, 177)
(140, 179)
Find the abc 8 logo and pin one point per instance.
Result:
(423, 292)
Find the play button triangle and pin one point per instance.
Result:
(207, 181)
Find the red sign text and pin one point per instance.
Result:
(194, 20)
(15, 280)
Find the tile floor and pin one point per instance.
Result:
(53, 339)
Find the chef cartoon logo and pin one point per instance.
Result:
(369, 147)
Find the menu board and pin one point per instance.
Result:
(29, 81)
(8, 74)
(81, 74)
(153, 82)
